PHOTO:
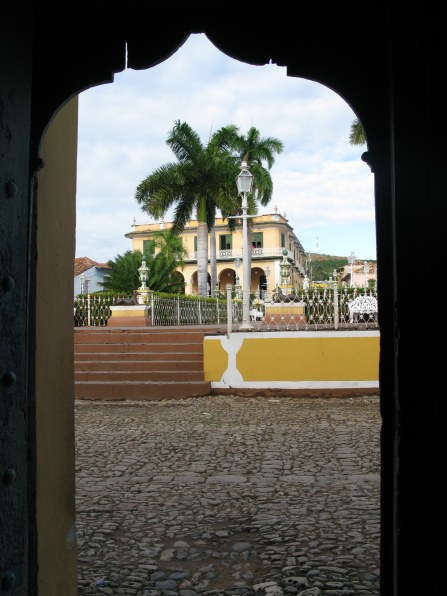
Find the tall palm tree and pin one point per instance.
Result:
(195, 182)
(257, 151)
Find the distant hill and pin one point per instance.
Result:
(324, 265)
(321, 257)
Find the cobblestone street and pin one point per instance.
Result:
(228, 495)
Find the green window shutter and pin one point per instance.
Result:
(195, 243)
(258, 239)
(225, 242)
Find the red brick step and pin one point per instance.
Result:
(147, 363)
(139, 365)
(112, 391)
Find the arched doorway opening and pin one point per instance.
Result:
(255, 279)
(260, 245)
(181, 280)
(194, 284)
(226, 276)
(256, 274)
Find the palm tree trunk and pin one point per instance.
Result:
(202, 258)
(213, 259)
(250, 242)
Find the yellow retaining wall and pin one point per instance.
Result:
(55, 438)
(293, 360)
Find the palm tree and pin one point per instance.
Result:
(195, 182)
(357, 136)
(256, 151)
(164, 253)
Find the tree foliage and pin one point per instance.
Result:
(323, 269)
(258, 152)
(357, 136)
(164, 253)
(195, 184)
(203, 180)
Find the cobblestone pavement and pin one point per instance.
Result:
(228, 495)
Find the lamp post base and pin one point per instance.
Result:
(246, 327)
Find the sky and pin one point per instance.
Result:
(320, 182)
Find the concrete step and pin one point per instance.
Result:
(130, 390)
(119, 376)
(139, 365)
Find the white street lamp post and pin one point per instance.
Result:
(237, 287)
(244, 183)
(366, 271)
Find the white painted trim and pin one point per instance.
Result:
(232, 344)
(134, 307)
(296, 385)
(297, 334)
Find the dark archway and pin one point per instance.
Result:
(393, 82)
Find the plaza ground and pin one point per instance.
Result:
(228, 495)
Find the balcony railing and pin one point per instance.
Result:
(260, 253)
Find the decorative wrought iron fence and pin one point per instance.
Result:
(180, 310)
(93, 310)
(315, 309)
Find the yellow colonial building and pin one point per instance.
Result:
(271, 236)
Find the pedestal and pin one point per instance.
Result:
(292, 312)
(130, 316)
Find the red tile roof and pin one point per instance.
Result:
(82, 264)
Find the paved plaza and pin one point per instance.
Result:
(228, 495)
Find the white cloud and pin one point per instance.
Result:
(319, 179)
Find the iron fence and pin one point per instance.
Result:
(314, 309)
(93, 310)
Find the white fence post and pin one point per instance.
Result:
(229, 310)
(335, 306)
(88, 310)
(178, 310)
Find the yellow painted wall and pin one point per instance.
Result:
(55, 498)
(294, 357)
(215, 360)
(310, 359)
(137, 244)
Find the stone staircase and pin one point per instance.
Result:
(147, 363)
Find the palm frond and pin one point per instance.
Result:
(357, 136)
